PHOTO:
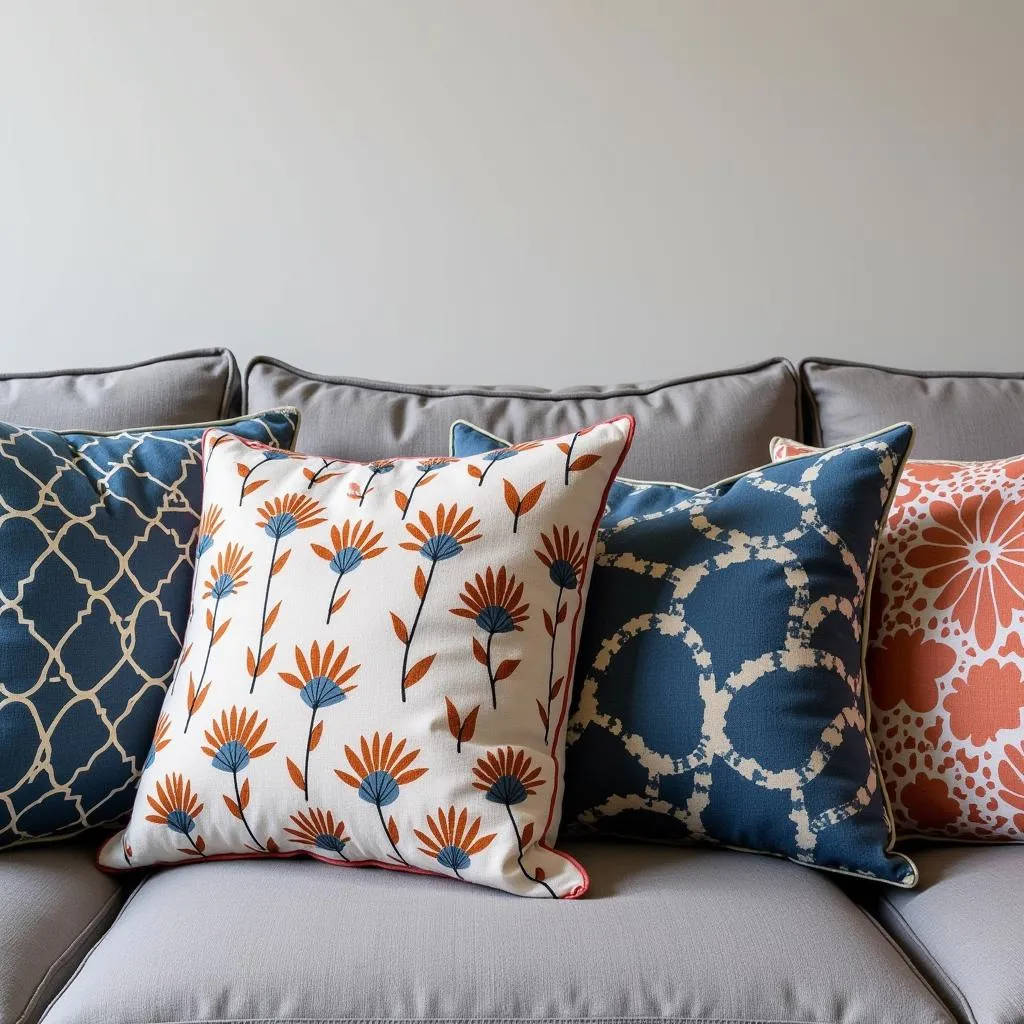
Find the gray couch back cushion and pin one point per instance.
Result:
(694, 430)
(957, 415)
(192, 387)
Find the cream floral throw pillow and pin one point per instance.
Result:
(375, 669)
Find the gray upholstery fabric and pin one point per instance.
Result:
(957, 415)
(54, 904)
(964, 928)
(692, 431)
(664, 935)
(192, 387)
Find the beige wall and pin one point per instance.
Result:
(528, 191)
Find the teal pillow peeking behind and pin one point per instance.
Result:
(98, 536)
(719, 689)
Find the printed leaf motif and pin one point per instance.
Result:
(511, 497)
(563, 447)
(272, 847)
(325, 553)
(314, 737)
(556, 686)
(400, 631)
(583, 462)
(244, 795)
(419, 670)
(474, 471)
(221, 629)
(527, 833)
(256, 485)
(479, 651)
(420, 583)
(505, 669)
(393, 833)
(543, 714)
(530, 498)
(233, 807)
(469, 725)
(454, 724)
(250, 660)
(297, 777)
(401, 500)
(209, 619)
(241, 468)
(539, 874)
(279, 562)
(562, 612)
(195, 700)
(337, 606)
(548, 623)
(271, 618)
(200, 844)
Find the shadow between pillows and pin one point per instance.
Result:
(719, 694)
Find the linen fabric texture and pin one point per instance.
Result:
(946, 653)
(97, 533)
(719, 692)
(377, 665)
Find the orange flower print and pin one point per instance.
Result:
(318, 830)
(494, 602)
(176, 807)
(1011, 776)
(989, 700)
(380, 773)
(231, 743)
(160, 738)
(438, 539)
(210, 523)
(452, 841)
(927, 802)
(975, 556)
(352, 545)
(581, 462)
(565, 557)
(906, 667)
(278, 518)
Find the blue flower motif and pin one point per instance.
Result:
(181, 822)
(321, 692)
(507, 790)
(379, 788)
(346, 560)
(453, 858)
(231, 757)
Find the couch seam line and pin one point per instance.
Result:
(930, 957)
(73, 945)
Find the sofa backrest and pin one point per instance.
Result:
(693, 430)
(191, 387)
(957, 415)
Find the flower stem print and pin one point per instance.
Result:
(461, 728)
(279, 518)
(379, 775)
(321, 684)
(565, 558)
(244, 471)
(318, 830)
(227, 577)
(376, 469)
(231, 743)
(453, 842)
(498, 455)
(428, 470)
(492, 601)
(209, 525)
(436, 540)
(321, 475)
(580, 462)
(509, 778)
(352, 545)
(176, 807)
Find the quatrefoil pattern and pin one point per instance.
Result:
(97, 536)
(719, 688)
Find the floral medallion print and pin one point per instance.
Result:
(375, 666)
(946, 655)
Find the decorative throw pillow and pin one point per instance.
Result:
(96, 552)
(719, 691)
(376, 662)
(946, 655)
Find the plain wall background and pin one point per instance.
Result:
(539, 191)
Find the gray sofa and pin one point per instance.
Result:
(665, 934)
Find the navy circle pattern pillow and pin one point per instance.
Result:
(719, 693)
(97, 536)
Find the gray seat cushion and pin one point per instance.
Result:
(964, 928)
(192, 387)
(693, 431)
(957, 415)
(664, 935)
(54, 904)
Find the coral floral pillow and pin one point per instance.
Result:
(375, 667)
(946, 653)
